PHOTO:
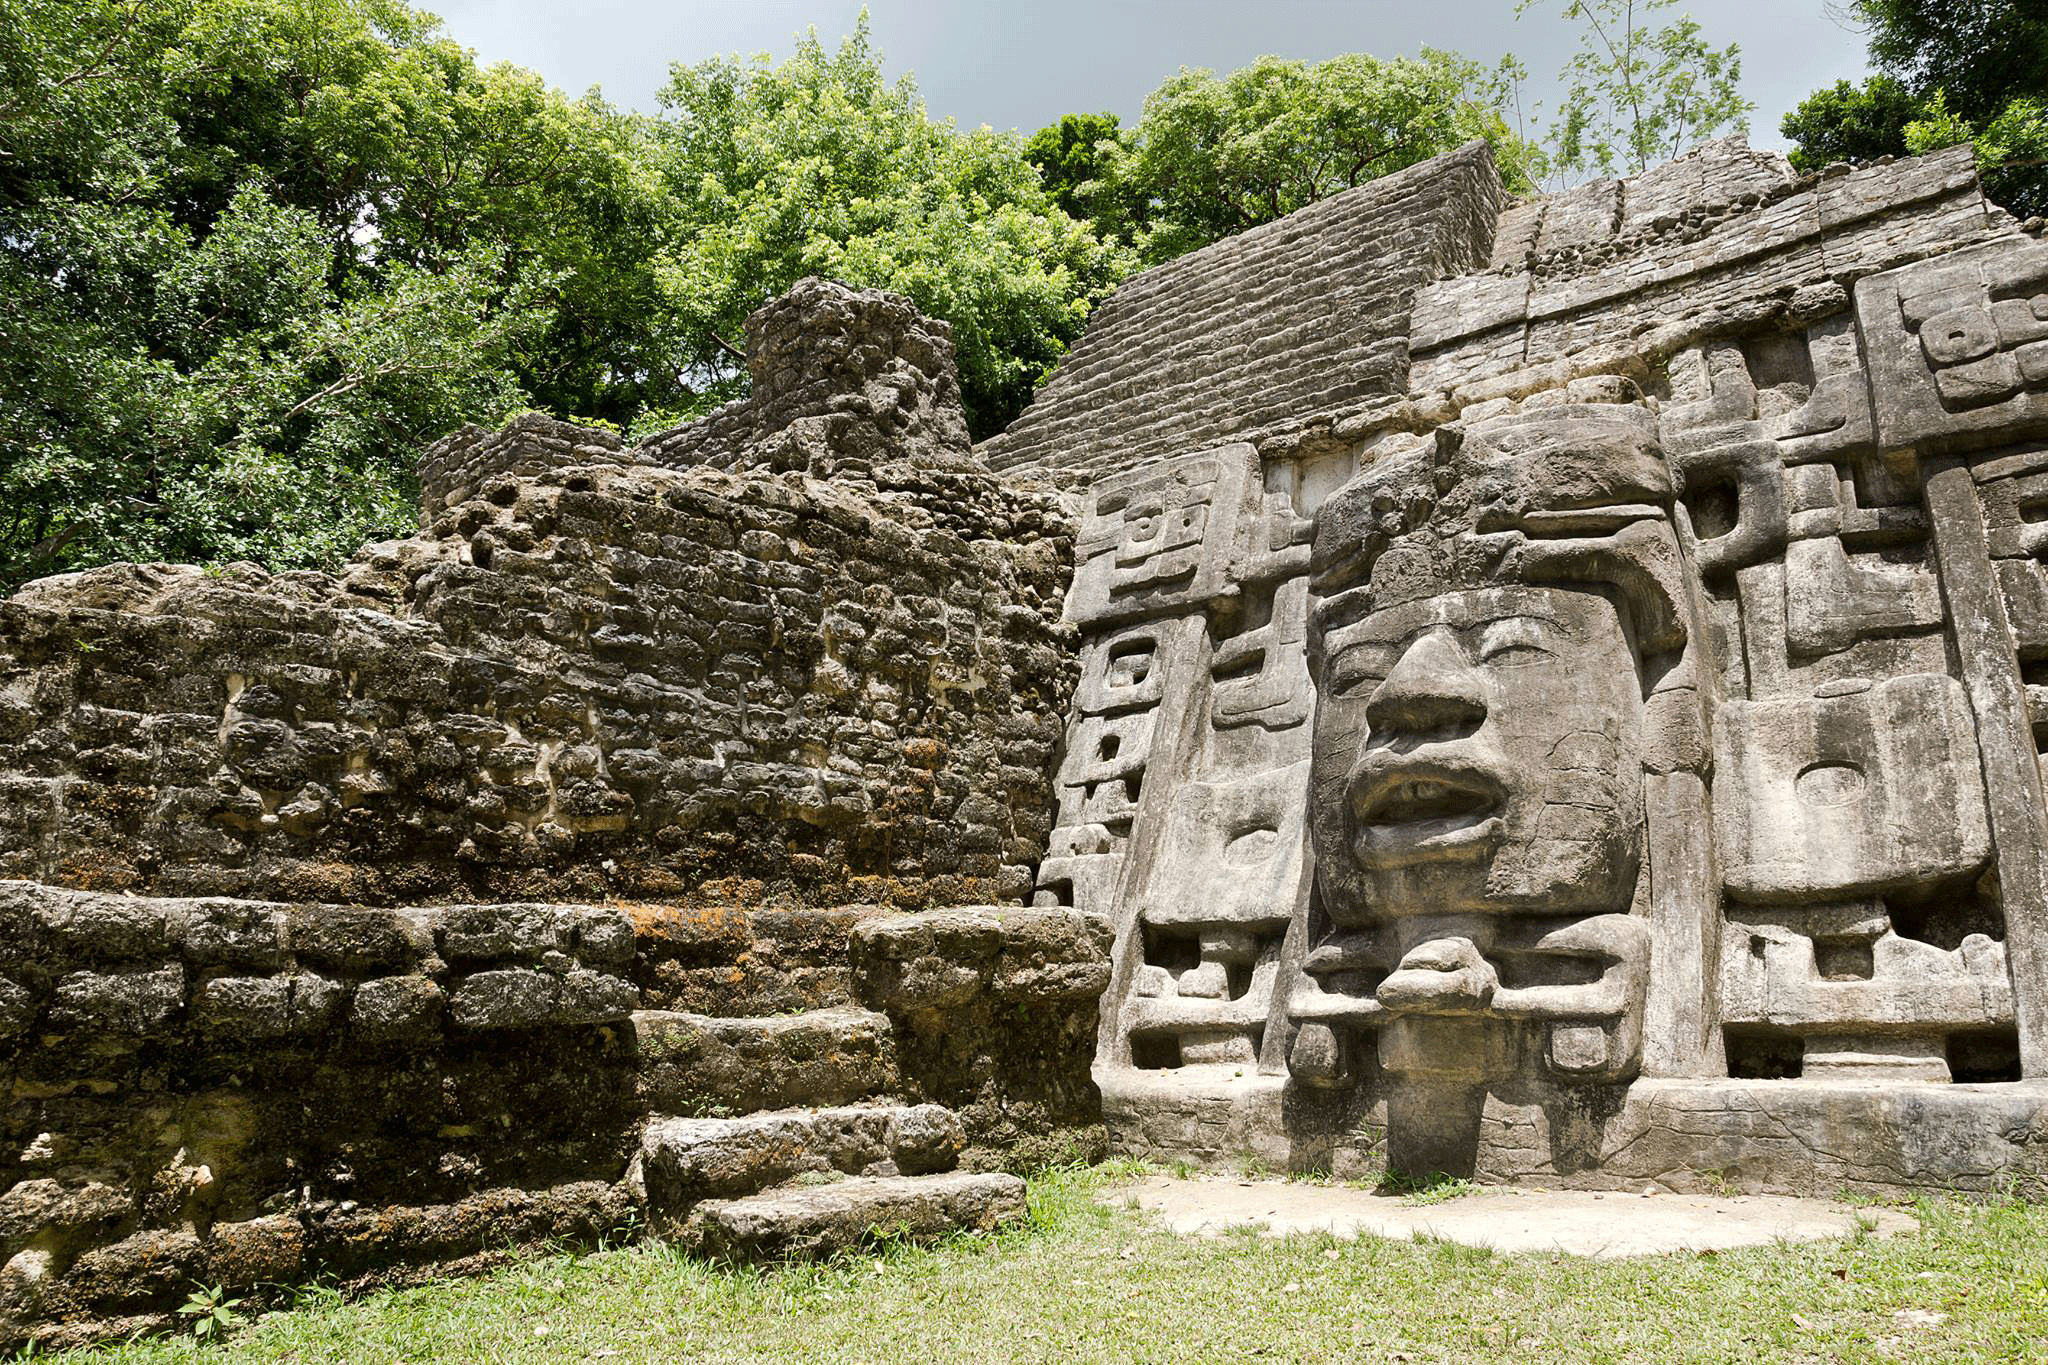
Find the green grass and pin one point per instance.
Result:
(1089, 1282)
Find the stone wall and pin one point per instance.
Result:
(589, 674)
(1303, 315)
(1604, 748)
(255, 1094)
(369, 924)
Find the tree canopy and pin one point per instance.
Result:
(1635, 94)
(821, 166)
(1214, 155)
(256, 254)
(1949, 71)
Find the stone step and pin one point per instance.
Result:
(819, 1220)
(698, 1064)
(728, 961)
(684, 1160)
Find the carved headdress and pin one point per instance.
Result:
(1574, 493)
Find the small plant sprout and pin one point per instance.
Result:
(210, 1312)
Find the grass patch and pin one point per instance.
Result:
(1422, 1190)
(1088, 1279)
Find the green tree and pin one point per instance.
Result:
(1213, 156)
(1075, 159)
(820, 165)
(1845, 122)
(1951, 71)
(256, 253)
(1636, 95)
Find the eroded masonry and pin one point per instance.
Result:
(1544, 690)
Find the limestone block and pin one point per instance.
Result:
(939, 958)
(831, 1056)
(397, 1009)
(685, 1160)
(265, 1007)
(1858, 791)
(827, 1219)
(1834, 598)
(1231, 853)
(1772, 976)
(519, 998)
(136, 1004)
(1958, 347)
(1161, 539)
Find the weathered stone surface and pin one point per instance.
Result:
(1244, 334)
(822, 1220)
(1552, 692)
(692, 1063)
(305, 972)
(814, 656)
(1622, 696)
(908, 963)
(995, 1013)
(684, 1160)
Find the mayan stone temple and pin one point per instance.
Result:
(1545, 691)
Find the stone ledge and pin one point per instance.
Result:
(940, 958)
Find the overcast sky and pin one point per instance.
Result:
(1022, 63)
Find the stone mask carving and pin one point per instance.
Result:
(1492, 613)
(1479, 751)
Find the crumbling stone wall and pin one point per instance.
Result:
(255, 1093)
(590, 674)
(373, 921)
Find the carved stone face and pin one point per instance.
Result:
(1478, 751)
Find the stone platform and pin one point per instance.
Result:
(1791, 1137)
(1580, 1223)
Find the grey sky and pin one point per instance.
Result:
(1023, 63)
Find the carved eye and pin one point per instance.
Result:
(1359, 670)
(1517, 640)
(1142, 521)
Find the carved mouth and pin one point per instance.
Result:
(1412, 809)
(1426, 798)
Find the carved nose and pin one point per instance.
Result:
(1432, 686)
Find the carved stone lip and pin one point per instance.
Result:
(1416, 807)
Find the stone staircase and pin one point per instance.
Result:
(259, 1093)
(813, 1128)
(810, 1183)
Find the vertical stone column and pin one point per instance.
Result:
(2012, 773)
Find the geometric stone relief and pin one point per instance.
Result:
(1183, 789)
(1213, 915)
(1852, 792)
(1958, 346)
(1568, 744)
(1568, 740)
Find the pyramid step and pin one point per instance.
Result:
(819, 1220)
(684, 1160)
(735, 961)
(699, 1064)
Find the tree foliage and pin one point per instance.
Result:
(1949, 71)
(255, 254)
(1845, 122)
(1214, 155)
(1636, 94)
(822, 166)
(1075, 159)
